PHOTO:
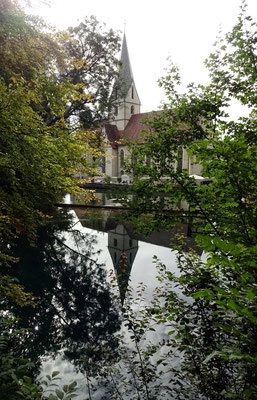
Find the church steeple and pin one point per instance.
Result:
(123, 250)
(127, 100)
(126, 75)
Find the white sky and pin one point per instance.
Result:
(185, 30)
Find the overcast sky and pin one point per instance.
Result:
(185, 30)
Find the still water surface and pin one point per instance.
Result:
(69, 272)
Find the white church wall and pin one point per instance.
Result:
(111, 161)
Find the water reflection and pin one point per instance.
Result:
(123, 243)
(123, 249)
(76, 313)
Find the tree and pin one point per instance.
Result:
(44, 83)
(216, 330)
(94, 51)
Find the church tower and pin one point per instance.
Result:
(123, 250)
(126, 99)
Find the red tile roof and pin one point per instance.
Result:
(112, 132)
(133, 130)
(134, 127)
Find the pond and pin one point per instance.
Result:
(70, 272)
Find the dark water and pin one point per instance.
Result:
(78, 312)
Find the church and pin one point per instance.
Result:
(127, 124)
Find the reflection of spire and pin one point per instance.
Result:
(122, 270)
(123, 250)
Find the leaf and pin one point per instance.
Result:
(211, 356)
(73, 385)
(59, 393)
(206, 293)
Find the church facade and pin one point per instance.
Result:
(128, 124)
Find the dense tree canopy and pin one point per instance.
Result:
(217, 331)
(46, 80)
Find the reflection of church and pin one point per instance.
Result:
(123, 242)
(123, 250)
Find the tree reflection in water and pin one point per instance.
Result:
(76, 313)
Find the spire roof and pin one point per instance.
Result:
(125, 76)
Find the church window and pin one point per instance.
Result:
(132, 110)
(130, 258)
(121, 158)
(134, 159)
(132, 92)
(103, 165)
(180, 159)
(115, 242)
(148, 161)
(115, 108)
(115, 257)
(130, 242)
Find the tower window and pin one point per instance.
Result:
(115, 109)
(115, 242)
(132, 92)
(132, 110)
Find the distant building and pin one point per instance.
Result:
(127, 123)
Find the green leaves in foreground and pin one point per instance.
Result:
(66, 392)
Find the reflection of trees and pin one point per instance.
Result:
(75, 311)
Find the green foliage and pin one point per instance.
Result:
(16, 373)
(94, 50)
(107, 179)
(213, 324)
(66, 392)
(45, 82)
(137, 373)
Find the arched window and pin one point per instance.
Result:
(132, 92)
(180, 159)
(132, 110)
(103, 165)
(121, 158)
(148, 161)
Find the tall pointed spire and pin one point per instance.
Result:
(126, 75)
(125, 97)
